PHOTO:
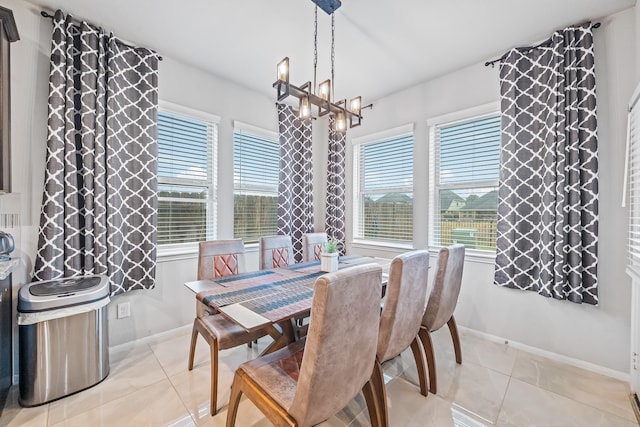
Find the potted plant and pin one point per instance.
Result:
(329, 258)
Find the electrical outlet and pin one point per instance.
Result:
(124, 310)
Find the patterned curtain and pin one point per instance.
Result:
(295, 190)
(548, 194)
(99, 204)
(334, 222)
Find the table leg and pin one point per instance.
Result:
(280, 339)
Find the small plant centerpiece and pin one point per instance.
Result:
(329, 258)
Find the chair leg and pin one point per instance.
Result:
(417, 355)
(234, 400)
(453, 330)
(377, 379)
(372, 403)
(194, 340)
(214, 376)
(427, 343)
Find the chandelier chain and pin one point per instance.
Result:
(333, 56)
(315, 48)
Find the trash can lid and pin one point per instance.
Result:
(59, 293)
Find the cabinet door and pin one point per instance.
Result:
(6, 351)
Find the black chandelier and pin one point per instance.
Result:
(322, 95)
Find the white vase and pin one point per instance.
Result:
(329, 262)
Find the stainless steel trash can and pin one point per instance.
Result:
(63, 337)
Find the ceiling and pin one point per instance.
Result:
(381, 46)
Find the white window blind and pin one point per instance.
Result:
(633, 182)
(256, 166)
(186, 178)
(465, 166)
(384, 177)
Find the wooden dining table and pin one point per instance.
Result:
(270, 299)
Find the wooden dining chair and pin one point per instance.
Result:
(314, 378)
(313, 246)
(441, 305)
(218, 259)
(275, 251)
(400, 321)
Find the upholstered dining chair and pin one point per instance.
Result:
(275, 251)
(218, 259)
(441, 305)
(400, 321)
(313, 246)
(314, 378)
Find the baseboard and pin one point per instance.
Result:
(635, 404)
(622, 376)
(164, 335)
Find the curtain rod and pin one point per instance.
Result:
(525, 48)
(46, 14)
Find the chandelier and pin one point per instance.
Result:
(322, 95)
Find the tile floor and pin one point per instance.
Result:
(149, 385)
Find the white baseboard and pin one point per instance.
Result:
(622, 376)
(165, 335)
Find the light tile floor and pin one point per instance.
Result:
(149, 385)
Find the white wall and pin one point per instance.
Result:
(170, 304)
(595, 334)
(598, 335)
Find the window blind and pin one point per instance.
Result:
(464, 197)
(385, 190)
(633, 178)
(256, 165)
(186, 179)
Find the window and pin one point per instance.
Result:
(187, 154)
(465, 165)
(256, 166)
(383, 202)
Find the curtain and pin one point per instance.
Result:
(548, 193)
(99, 203)
(334, 221)
(295, 189)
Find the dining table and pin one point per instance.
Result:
(271, 299)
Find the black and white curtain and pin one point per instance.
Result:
(548, 194)
(99, 204)
(335, 218)
(295, 189)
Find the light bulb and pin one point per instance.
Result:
(305, 108)
(324, 90)
(341, 123)
(283, 70)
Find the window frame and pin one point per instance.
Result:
(457, 117)
(186, 250)
(378, 137)
(259, 132)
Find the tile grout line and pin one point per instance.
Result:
(506, 390)
(168, 378)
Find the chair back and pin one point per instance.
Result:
(275, 251)
(405, 302)
(339, 353)
(218, 258)
(446, 288)
(313, 246)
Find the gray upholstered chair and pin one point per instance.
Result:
(218, 259)
(313, 246)
(275, 251)
(441, 305)
(313, 379)
(400, 320)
